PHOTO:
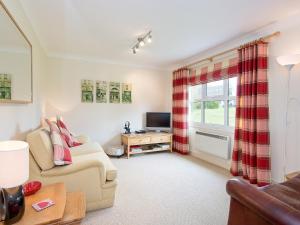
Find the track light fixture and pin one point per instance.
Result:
(141, 42)
(149, 38)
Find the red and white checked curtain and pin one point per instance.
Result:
(180, 111)
(251, 153)
(221, 70)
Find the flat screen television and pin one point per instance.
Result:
(158, 121)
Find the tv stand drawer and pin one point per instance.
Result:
(140, 141)
(161, 139)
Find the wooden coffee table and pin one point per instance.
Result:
(69, 208)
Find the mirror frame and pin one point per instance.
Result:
(31, 74)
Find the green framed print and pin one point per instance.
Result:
(87, 91)
(101, 91)
(114, 92)
(126, 93)
(5, 86)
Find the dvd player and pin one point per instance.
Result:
(140, 131)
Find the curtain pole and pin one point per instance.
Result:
(265, 38)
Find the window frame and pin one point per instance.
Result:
(204, 98)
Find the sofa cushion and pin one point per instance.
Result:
(86, 148)
(80, 162)
(66, 134)
(61, 151)
(41, 148)
(85, 161)
(83, 139)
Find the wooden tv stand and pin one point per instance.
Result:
(146, 139)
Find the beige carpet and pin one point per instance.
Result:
(166, 189)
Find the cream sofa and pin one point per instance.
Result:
(91, 171)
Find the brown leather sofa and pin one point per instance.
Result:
(276, 204)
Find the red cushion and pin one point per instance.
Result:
(71, 141)
(61, 151)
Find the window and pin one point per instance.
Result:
(195, 104)
(232, 86)
(215, 88)
(231, 113)
(213, 103)
(214, 112)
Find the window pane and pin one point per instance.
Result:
(215, 88)
(195, 92)
(214, 112)
(232, 86)
(231, 113)
(195, 115)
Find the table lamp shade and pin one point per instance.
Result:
(14, 163)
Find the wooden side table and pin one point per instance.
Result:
(292, 175)
(75, 209)
(57, 193)
(69, 208)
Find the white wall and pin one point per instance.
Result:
(104, 122)
(16, 120)
(287, 43)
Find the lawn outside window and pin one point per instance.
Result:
(212, 105)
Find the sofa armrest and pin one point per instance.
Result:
(83, 138)
(266, 206)
(76, 167)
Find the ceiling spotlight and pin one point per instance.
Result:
(141, 42)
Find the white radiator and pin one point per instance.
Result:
(214, 144)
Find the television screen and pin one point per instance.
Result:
(158, 119)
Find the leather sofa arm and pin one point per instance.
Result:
(264, 205)
(76, 167)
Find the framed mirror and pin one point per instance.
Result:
(15, 61)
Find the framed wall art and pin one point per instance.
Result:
(126, 93)
(101, 91)
(114, 92)
(5, 86)
(87, 91)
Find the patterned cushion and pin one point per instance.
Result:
(62, 155)
(71, 141)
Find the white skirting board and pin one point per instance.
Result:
(212, 159)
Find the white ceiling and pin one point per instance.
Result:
(105, 30)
